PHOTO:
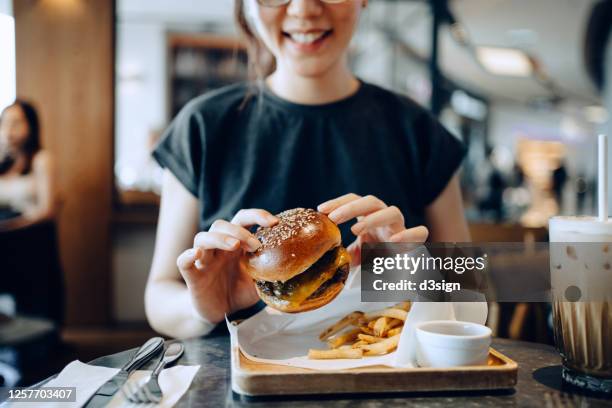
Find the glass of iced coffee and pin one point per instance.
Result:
(581, 278)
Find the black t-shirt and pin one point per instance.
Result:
(266, 152)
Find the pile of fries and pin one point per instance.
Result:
(363, 334)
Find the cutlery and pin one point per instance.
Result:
(150, 392)
(145, 353)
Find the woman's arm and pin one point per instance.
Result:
(46, 192)
(167, 300)
(445, 217)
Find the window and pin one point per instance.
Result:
(7, 54)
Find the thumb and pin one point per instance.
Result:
(186, 262)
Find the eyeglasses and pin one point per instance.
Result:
(278, 3)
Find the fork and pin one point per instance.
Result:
(149, 391)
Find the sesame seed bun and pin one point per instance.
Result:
(301, 264)
(301, 237)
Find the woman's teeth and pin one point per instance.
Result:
(307, 38)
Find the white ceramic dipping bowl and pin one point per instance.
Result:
(451, 343)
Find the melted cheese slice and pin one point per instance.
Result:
(324, 273)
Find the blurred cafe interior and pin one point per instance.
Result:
(519, 82)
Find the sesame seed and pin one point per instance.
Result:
(290, 223)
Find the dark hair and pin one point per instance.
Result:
(261, 61)
(32, 144)
(596, 41)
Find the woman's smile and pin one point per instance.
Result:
(308, 38)
(309, 41)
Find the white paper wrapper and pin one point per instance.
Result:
(280, 338)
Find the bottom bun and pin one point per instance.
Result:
(331, 291)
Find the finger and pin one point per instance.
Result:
(186, 260)
(416, 234)
(362, 206)
(331, 205)
(389, 216)
(215, 240)
(254, 216)
(354, 251)
(236, 231)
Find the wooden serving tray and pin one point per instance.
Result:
(251, 378)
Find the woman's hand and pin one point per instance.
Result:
(217, 284)
(376, 222)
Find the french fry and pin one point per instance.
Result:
(395, 331)
(398, 314)
(360, 322)
(367, 330)
(389, 312)
(380, 326)
(340, 325)
(381, 347)
(404, 306)
(335, 353)
(375, 333)
(369, 339)
(384, 324)
(394, 323)
(368, 317)
(344, 338)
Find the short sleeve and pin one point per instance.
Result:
(181, 148)
(440, 153)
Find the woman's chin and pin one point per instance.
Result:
(310, 69)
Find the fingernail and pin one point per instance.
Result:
(323, 207)
(357, 228)
(191, 253)
(334, 216)
(254, 243)
(231, 242)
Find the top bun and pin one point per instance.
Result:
(300, 238)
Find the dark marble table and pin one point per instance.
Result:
(539, 383)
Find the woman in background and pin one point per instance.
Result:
(27, 184)
(311, 135)
(27, 212)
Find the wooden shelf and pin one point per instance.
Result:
(198, 63)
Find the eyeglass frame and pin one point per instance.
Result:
(285, 2)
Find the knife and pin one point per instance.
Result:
(145, 353)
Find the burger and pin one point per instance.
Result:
(301, 264)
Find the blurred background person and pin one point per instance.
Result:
(559, 177)
(27, 185)
(31, 310)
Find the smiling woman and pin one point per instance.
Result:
(306, 47)
(378, 165)
(27, 179)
